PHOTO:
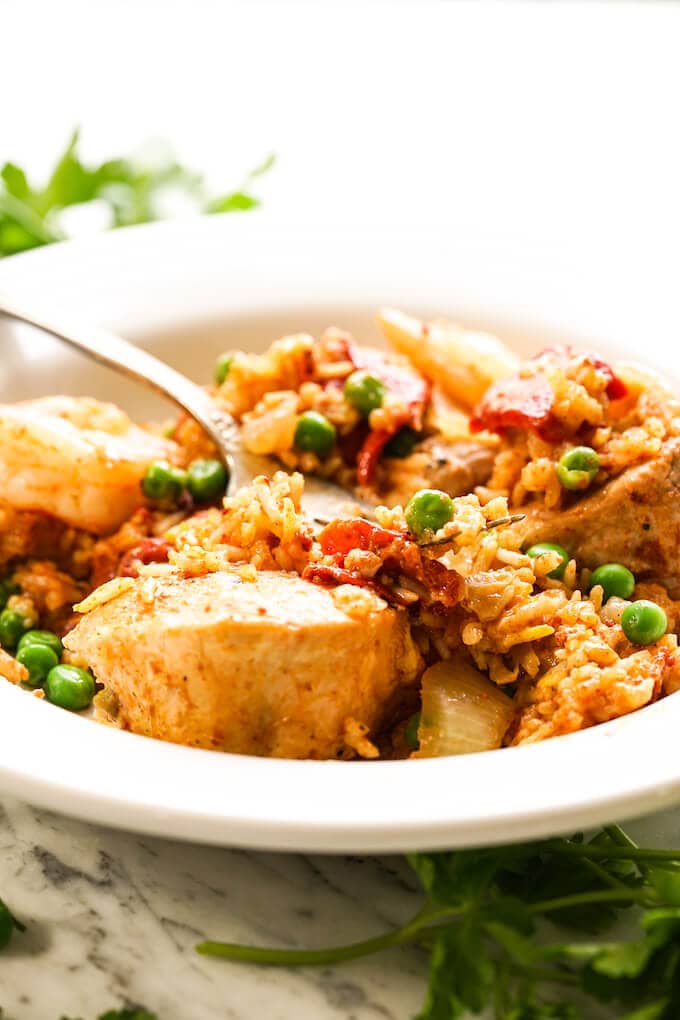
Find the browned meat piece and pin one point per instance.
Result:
(457, 468)
(454, 467)
(634, 520)
(276, 666)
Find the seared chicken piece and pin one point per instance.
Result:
(455, 467)
(276, 666)
(76, 459)
(634, 520)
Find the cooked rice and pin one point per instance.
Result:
(564, 650)
(514, 620)
(623, 432)
(260, 526)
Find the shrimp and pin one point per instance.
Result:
(76, 459)
(463, 362)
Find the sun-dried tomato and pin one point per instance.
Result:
(151, 550)
(401, 558)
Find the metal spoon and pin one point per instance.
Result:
(322, 500)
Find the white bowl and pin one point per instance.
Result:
(188, 290)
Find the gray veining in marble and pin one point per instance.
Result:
(113, 918)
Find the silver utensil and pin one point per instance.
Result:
(322, 500)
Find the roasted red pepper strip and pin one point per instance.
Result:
(410, 389)
(518, 403)
(369, 455)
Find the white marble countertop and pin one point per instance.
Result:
(112, 919)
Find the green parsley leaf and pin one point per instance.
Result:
(545, 1011)
(666, 882)
(135, 189)
(8, 925)
(15, 181)
(128, 1014)
(487, 914)
(458, 878)
(235, 201)
(262, 168)
(461, 975)
(653, 1011)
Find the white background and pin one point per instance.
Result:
(550, 120)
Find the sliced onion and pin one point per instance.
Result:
(273, 429)
(462, 710)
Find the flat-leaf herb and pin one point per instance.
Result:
(131, 190)
(489, 920)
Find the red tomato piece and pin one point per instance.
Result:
(341, 536)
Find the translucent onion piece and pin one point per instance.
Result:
(271, 428)
(462, 711)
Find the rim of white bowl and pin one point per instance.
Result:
(146, 279)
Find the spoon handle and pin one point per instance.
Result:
(136, 363)
(322, 500)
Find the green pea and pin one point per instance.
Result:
(314, 433)
(42, 637)
(643, 622)
(222, 367)
(411, 732)
(614, 579)
(163, 482)
(38, 660)
(12, 626)
(69, 687)
(364, 391)
(207, 480)
(577, 468)
(428, 510)
(541, 548)
(402, 443)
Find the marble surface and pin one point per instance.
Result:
(113, 918)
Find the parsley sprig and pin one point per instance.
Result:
(522, 930)
(130, 190)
